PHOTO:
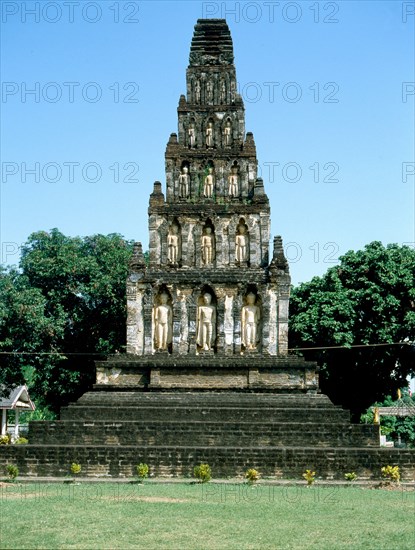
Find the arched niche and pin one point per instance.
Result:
(223, 90)
(162, 326)
(192, 133)
(251, 319)
(206, 320)
(208, 244)
(242, 243)
(210, 138)
(196, 90)
(184, 181)
(234, 180)
(227, 131)
(209, 180)
(174, 243)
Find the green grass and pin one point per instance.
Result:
(181, 515)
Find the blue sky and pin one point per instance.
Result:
(329, 95)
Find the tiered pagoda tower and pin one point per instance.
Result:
(210, 297)
(207, 376)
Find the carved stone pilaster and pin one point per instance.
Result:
(229, 322)
(272, 325)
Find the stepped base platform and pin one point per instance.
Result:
(249, 371)
(164, 461)
(109, 431)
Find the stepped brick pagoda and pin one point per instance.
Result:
(207, 376)
(210, 310)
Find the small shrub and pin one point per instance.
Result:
(21, 441)
(350, 476)
(12, 471)
(142, 470)
(252, 475)
(5, 439)
(391, 473)
(203, 473)
(310, 477)
(75, 468)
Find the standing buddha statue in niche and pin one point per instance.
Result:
(206, 323)
(250, 322)
(163, 323)
(184, 180)
(192, 136)
(209, 184)
(241, 244)
(228, 133)
(197, 91)
(209, 135)
(173, 245)
(209, 92)
(233, 182)
(208, 246)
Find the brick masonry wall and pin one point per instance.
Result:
(109, 432)
(202, 433)
(285, 462)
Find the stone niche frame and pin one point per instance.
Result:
(207, 290)
(156, 302)
(252, 289)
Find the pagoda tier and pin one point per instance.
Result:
(209, 287)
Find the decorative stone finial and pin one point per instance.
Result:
(211, 43)
(249, 145)
(259, 188)
(137, 261)
(278, 258)
(157, 197)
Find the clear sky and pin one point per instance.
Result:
(329, 95)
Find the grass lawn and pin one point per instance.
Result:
(186, 516)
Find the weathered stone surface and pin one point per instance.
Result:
(214, 202)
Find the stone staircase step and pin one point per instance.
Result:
(146, 432)
(281, 462)
(205, 413)
(236, 399)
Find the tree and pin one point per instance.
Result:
(27, 332)
(80, 284)
(369, 299)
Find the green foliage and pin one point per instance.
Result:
(252, 475)
(40, 413)
(394, 427)
(21, 441)
(142, 470)
(369, 298)
(75, 468)
(203, 473)
(350, 476)
(5, 439)
(65, 306)
(26, 329)
(310, 477)
(385, 430)
(391, 473)
(12, 471)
